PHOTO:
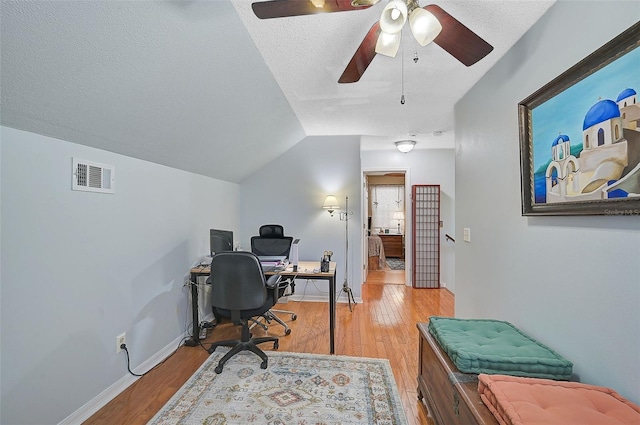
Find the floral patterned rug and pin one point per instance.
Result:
(294, 389)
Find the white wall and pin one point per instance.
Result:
(79, 268)
(425, 166)
(571, 282)
(291, 190)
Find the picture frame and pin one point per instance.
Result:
(580, 136)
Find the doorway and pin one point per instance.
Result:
(385, 209)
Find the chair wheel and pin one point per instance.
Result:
(218, 369)
(294, 317)
(263, 365)
(276, 345)
(287, 332)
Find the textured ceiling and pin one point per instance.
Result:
(207, 87)
(307, 55)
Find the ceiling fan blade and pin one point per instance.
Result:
(462, 43)
(284, 8)
(362, 57)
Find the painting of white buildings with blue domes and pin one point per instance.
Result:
(587, 138)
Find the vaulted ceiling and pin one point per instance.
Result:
(207, 87)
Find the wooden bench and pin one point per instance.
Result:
(450, 396)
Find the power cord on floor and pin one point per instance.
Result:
(124, 347)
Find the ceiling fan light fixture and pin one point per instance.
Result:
(393, 17)
(388, 44)
(424, 26)
(405, 146)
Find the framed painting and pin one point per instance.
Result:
(580, 136)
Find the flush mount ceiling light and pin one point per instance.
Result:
(405, 146)
(424, 26)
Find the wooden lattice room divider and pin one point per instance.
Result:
(426, 235)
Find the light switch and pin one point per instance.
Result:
(467, 234)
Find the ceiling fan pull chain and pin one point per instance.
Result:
(402, 77)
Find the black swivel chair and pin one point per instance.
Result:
(272, 242)
(240, 291)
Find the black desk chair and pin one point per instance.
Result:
(240, 291)
(272, 242)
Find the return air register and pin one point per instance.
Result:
(90, 176)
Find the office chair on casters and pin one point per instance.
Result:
(272, 242)
(240, 291)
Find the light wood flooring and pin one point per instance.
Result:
(382, 326)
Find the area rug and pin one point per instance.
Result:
(395, 263)
(295, 388)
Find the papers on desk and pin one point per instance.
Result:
(273, 263)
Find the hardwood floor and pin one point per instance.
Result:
(382, 326)
(387, 277)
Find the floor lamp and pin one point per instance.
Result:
(345, 286)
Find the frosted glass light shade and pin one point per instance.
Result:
(388, 44)
(424, 26)
(393, 17)
(405, 146)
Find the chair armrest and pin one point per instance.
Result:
(273, 281)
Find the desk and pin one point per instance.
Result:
(305, 271)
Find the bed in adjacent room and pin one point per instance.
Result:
(377, 259)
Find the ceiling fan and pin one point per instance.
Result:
(429, 23)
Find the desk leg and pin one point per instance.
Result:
(332, 314)
(195, 337)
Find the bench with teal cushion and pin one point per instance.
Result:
(497, 347)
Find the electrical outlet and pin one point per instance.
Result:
(120, 339)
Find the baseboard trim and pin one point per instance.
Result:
(449, 291)
(99, 401)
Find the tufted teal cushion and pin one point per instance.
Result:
(496, 347)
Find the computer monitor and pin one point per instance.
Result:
(220, 241)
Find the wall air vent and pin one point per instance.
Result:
(90, 176)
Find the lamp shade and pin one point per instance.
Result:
(405, 146)
(330, 203)
(393, 17)
(388, 44)
(398, 215)
(424, 26)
